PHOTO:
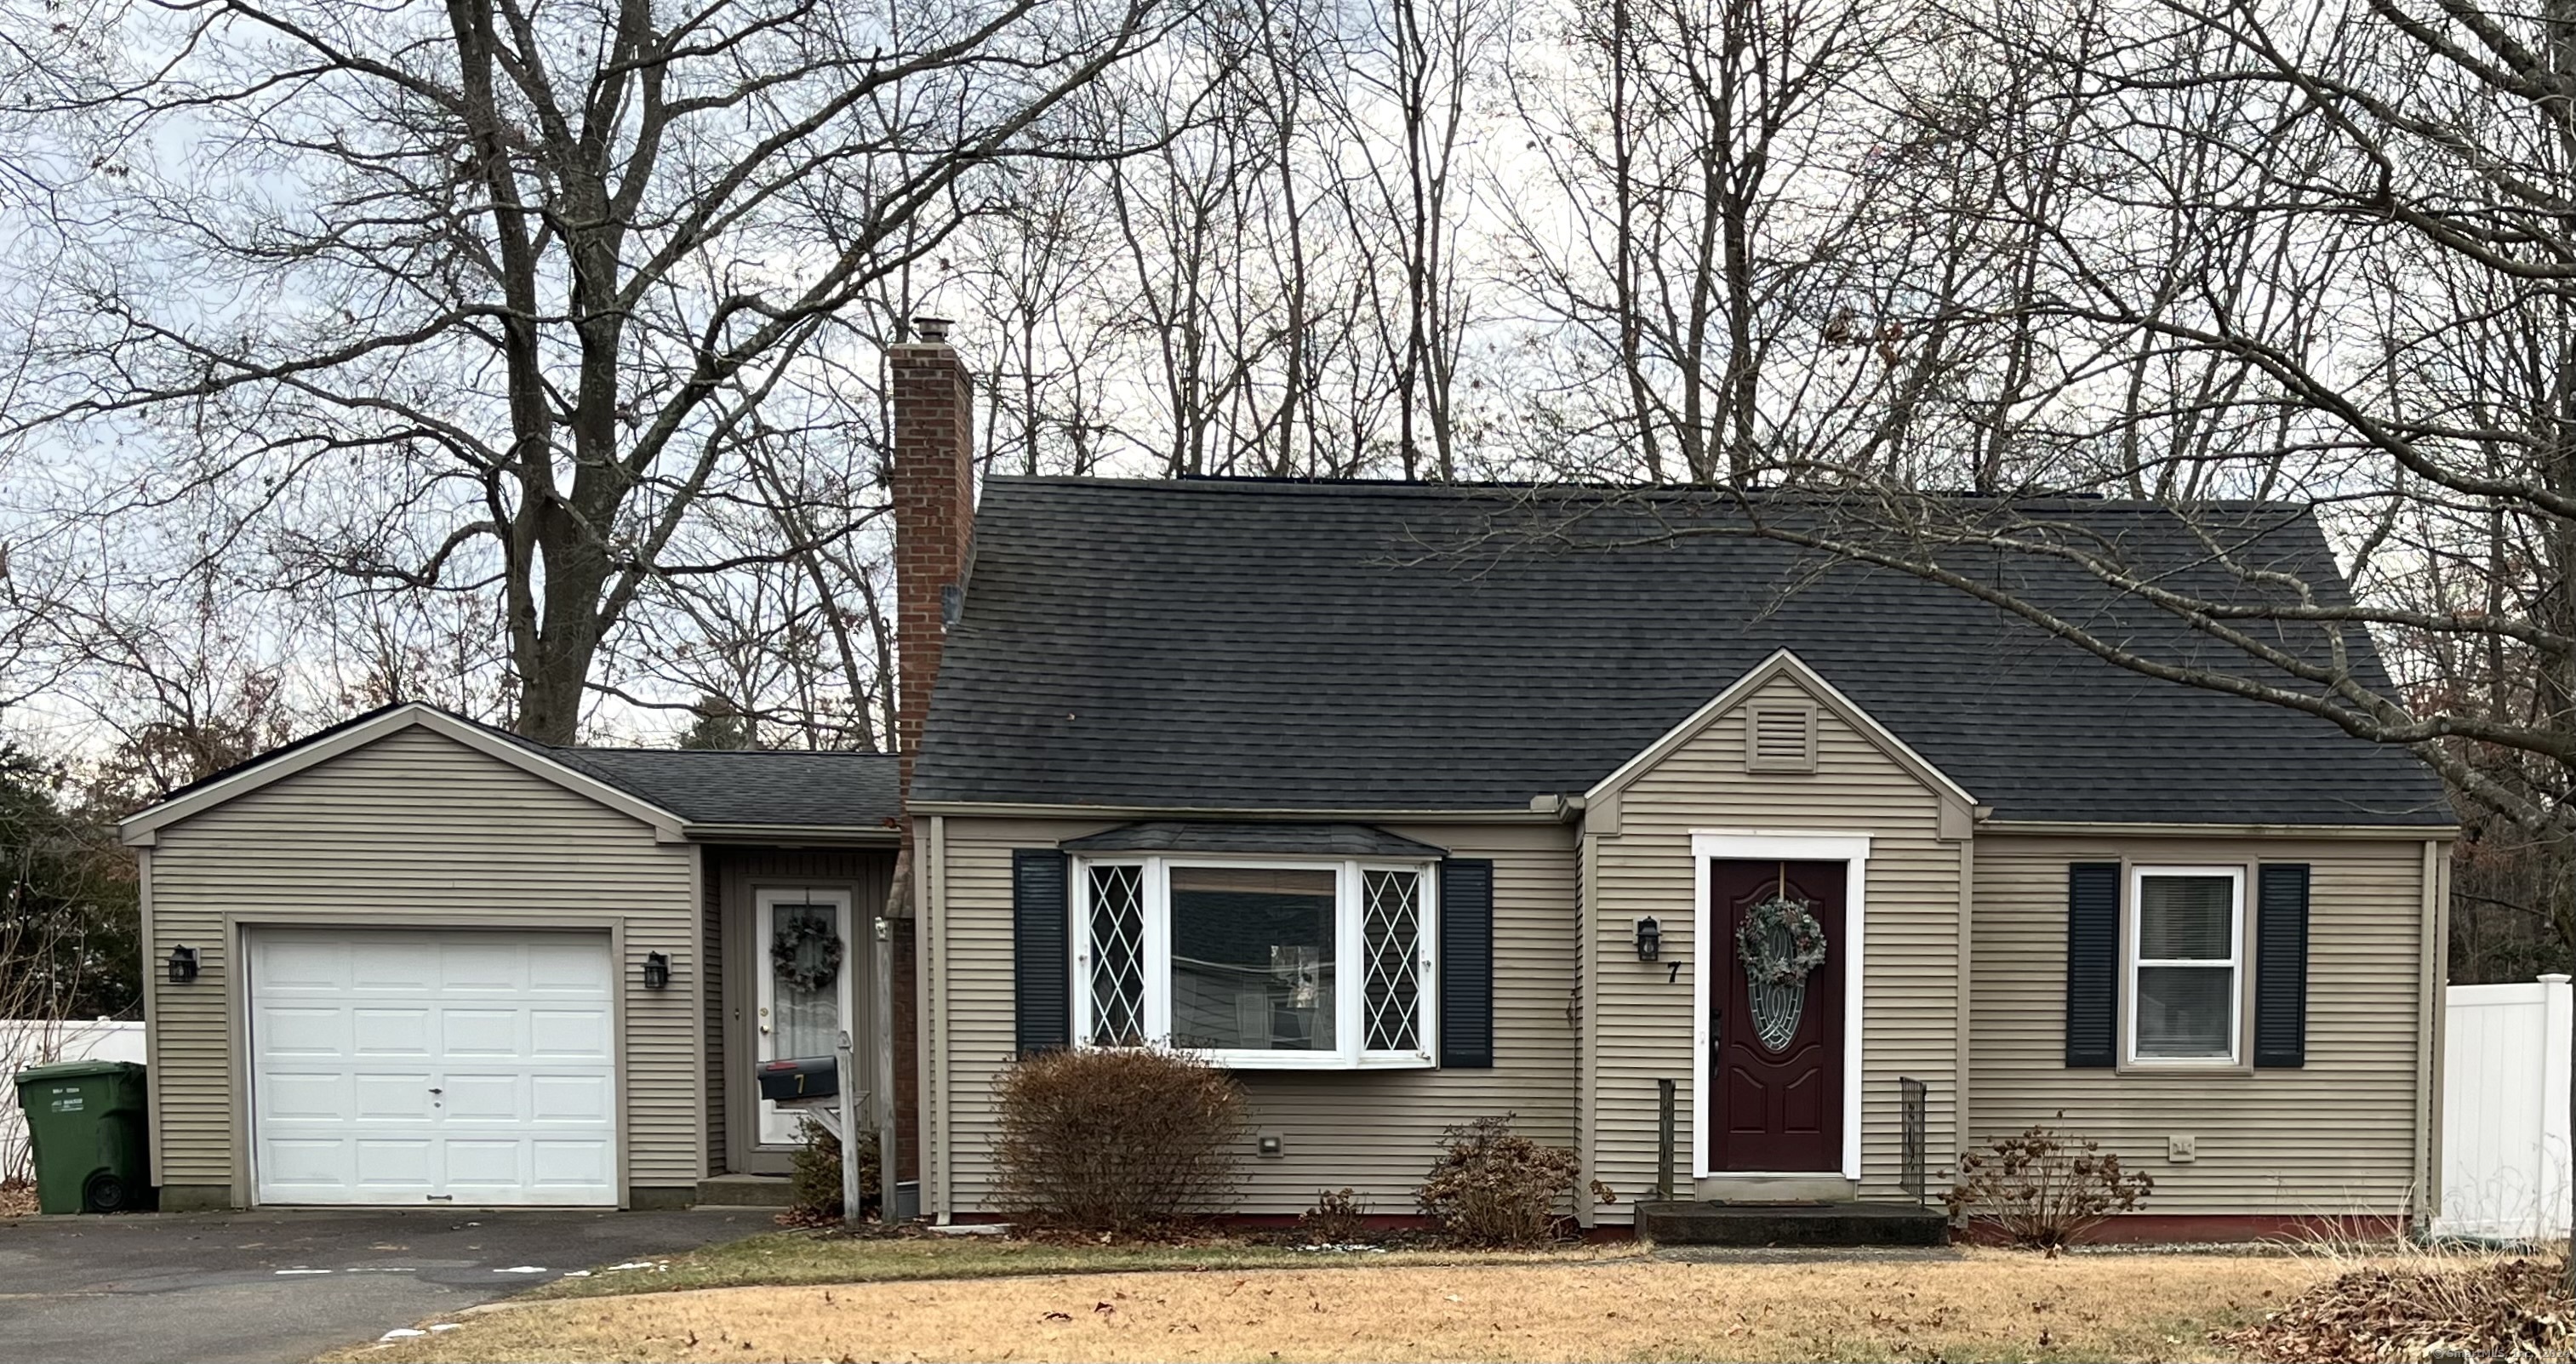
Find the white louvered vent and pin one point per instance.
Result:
(1781, 739)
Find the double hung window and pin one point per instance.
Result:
(1308, 964)
(2186, 961)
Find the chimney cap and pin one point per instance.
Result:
(933, 330)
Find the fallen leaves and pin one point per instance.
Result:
(2507, 1310)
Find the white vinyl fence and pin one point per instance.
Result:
(28, 1044)
(2505, 1154)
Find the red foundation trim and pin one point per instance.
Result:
(2187, 1228)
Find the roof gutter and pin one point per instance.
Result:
(1555, 811)
(2411, 833)
(838, 835)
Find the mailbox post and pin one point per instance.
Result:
(823, 1089)
(849, 1135)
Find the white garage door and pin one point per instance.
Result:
(463, 1067)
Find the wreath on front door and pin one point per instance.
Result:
(806, 953)
(1779, 942)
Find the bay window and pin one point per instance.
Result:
(1288, 965)
(2186, 960)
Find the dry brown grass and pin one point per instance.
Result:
(1985, 1305)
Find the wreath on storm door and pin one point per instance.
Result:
(806, 952)
(1780, 943)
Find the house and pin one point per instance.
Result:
(1407, 804)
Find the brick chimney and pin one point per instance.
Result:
(932, 477)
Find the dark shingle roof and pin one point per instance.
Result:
(1281, 646)
(1321, 840)
(779, 786)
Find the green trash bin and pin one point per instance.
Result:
(85, 1120)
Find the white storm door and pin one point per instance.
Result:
(807, 960)
(393, 1067)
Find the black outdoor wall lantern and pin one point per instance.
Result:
(1650, 939)
(183, 965)
(657, 971)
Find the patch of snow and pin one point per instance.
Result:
(401, 1333)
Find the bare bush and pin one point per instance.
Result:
(1116, 1140)
(1339, 1217)
(1495, 1187)
(814, 1177)
(2044, 1188)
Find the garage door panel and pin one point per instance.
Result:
(293, 1096)
(570, 1164)
(569, 1098)
(568, 1034)
(560, 970)
(465, 966)
(486, 1164)
(390, 967)
(502, 1088)
(305, 1031)
(386, 1164)
(389, 1032)
(381, 1096)
(487, 1097)
(483, 1032)
(304, 964)
(305, 1161)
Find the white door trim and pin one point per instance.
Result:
(1778, 845)
(765, 901)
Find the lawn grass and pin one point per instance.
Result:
(805, 1257)
(1979, 1305)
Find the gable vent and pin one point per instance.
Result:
(1781, 739)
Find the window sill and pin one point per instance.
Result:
(2177, 1066)
(1311, 1061)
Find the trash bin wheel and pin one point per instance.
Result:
(105, 1192)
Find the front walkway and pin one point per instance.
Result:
(285, 1285)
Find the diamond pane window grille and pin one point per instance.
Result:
(1117, 957)
(1391, 930)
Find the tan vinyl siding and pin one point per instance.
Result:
(1910, 954)
(2337, 1136)
(419, 825)
(1374, 1132)
(711, 942)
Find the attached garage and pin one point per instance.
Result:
(468, 1067)
(414, 961)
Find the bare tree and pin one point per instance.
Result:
(488, 297)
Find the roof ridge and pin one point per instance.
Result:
(1245, 484)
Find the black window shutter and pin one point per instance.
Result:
(1041, 949)
(2092, 963)
(2281, 966)
(1467, 964)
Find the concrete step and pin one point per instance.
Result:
(743, 1191)
(1791, 1224)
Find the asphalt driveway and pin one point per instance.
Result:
(269, 1286)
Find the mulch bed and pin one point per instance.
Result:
(2497, 1310)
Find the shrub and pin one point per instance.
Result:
(2044, 1188)
(1338, 1218)
(814, 1177)
(1117, 1140)
(1495, 1187)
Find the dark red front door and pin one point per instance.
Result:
(1776, 1046)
